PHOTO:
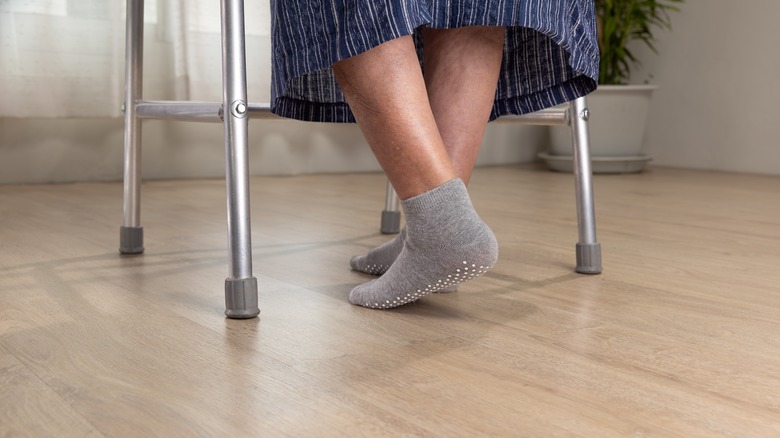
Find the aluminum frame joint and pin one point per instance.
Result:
(239, 108)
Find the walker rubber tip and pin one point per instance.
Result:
(131, 240)
(241, 298)
(589, 258)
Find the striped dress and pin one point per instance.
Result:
(550, 51)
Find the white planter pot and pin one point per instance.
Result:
(618, 115)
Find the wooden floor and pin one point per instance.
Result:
(680, 336)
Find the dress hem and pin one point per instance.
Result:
(339, 112)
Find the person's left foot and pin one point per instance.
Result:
(378, 260)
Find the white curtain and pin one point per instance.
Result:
(65, 58)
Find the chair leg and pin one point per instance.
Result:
(588, 249)
(131, 234)
(240, 286)
(391, 215)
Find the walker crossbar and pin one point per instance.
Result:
(184, 111)
(212, 112)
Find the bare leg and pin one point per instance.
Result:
(461, 75)
(386, 91)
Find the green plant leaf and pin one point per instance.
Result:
(622, 21)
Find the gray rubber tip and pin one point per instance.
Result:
(391, 222)
(131, 240)
(241, 298)
(589, 258)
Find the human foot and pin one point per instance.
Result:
(378, 260)
(446, 244)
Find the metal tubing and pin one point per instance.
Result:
(134, 47)
(549, 117)
(390, 222)
(261, 111)
(240, 286)
(582, 171)
(184, 111)
(210, 112)
(588, 250)
(236, 139)
(392, 202)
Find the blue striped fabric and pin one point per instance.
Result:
(550, 52)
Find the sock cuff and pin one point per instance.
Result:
(444, 194)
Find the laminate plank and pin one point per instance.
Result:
(28, 407)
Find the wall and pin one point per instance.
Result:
(719, 101)
(65, 150)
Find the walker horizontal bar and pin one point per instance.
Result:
(212, 112)
(185, 111)
(550, 117)
(261, 111)
(195, 111)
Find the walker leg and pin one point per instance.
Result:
(131, 234)
(391, 215)
(240, 286)
(588, 249)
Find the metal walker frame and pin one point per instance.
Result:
(234, 112)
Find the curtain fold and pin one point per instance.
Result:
(65, 58)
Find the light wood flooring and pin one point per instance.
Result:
(680, 336)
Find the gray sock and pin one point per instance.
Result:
(378, 260)
(446, 244)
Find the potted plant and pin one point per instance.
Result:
(618, 111)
